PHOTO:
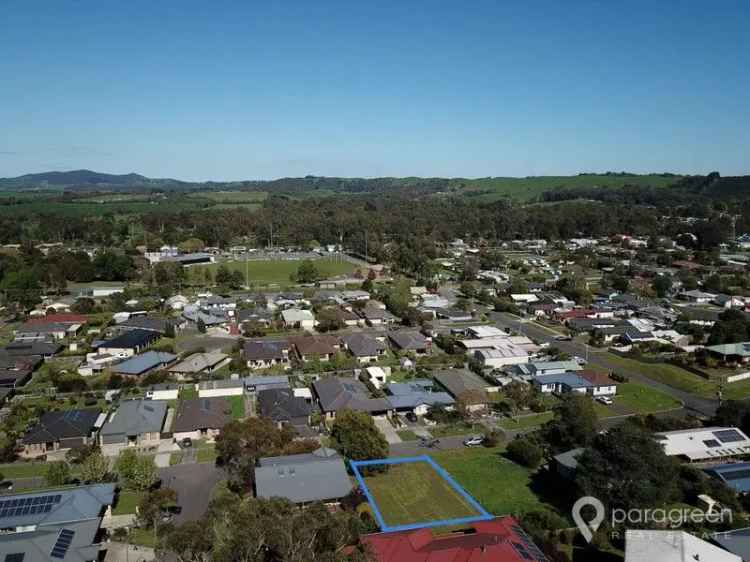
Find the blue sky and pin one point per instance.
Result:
(243, 90)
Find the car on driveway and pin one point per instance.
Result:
(606, 400)
(579, 360)
(474, 441)
(563, 338)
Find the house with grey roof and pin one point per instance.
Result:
(264, 354)
(284, 407)
(364, 347)
(259, 383)
(139, 365)
(62, 431)
(464, 386)
(201, 418)
(340, 393)
(59, 525)
(409, 341)
(200, 363)
(731, 352)
(417, 396)
(302, 479)
(135, 423)
(221, 387)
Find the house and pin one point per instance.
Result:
(731, 352)
(263, 354)
(221, 387)
(200, 363)
(501, 355)
(338, 393)
(672, 546)
(128, 343)
(566, 463)
(409, 341)
(316, 347)
(583, 382)
(301, 479)
(365, 348)
(417, 396)
(163, 391)
(501, 539)
(736, 541)
(736, 475)
(539, 368)
(201, 418)
(96, 363)
(482, 331)
(135, 423)
(697, 297)
(14, 378)
(149, 323)
(44, 349)
(265, 382)
(465, 386)
(139, 365)
(706, 443)
(63, 524)
(377, 376)
(375, 315)
(453, 315)
(284, 407)
(297, 318)
(62, 431)
(34, 330)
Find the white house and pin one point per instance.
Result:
(163, 392)
(298, 318)
(705, 443)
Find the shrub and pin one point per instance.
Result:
(525, 453)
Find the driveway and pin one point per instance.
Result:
(194, 484)
(387, 429)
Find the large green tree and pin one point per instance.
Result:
(356, 436)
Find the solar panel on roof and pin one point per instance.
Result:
(728, 436)
(711, 443)
(62, 544)
(14, 557)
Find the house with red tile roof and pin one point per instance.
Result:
(497, 540)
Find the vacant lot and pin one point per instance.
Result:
(415, 493)
(498, 484)
(266, 272)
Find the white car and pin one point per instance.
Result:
(606, 400)
(475, 441)
(579, 360)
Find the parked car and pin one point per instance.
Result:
(606, 400)
(411, 416)
(475, 441)
(186, 443)
(579, 360)
(563, 338)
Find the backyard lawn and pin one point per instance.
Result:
(238, 406)
(671, 375)
(415, 493)
(127, 501)
(407, 435)
(266, 272)
(643, 399)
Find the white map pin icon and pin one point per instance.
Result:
(588, 529)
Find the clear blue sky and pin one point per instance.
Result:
(242, 90)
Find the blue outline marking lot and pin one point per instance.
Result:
(484, 515)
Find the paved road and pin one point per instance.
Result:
(693, 404)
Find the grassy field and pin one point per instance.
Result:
(643, 399)
(499, 485)
(228, 197)
(416, 493)
(238, 406)
(525, 422)
(525, 189)
(23, 470)
(407, 435)
(266, 272)
(681, 379)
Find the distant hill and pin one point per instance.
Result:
(481, 189)
(82, 179)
